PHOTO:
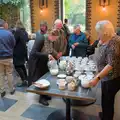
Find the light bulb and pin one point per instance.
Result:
(41, 11)
(104, 9)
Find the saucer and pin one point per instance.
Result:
(43, 83)
(61, 76)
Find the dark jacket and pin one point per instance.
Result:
(7, 43)
(81, 49)
(67, 35)
(66, 31)
(91, 48)
(20, 49)
(37, 62)
(39, 36)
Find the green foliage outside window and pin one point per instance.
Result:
(12, 10)
(75, 12)
(12, 2)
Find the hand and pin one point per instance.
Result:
(51, 57)
(76, 44)
(73, 47)
(59, 55)
(94, 82)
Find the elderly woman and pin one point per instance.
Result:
(78, 42)
(41, 53)
(61, 44)
(108, 64)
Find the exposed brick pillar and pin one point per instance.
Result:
(32, 15)
(118, 14)
(57, 8)
(88, 15)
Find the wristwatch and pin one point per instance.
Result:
(98, 78)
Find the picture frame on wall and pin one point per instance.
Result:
(43, 3)
(104, 2)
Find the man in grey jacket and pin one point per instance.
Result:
(7, 43)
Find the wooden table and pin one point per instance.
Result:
(79, 94)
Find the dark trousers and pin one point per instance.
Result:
(109, 90)
(22, 72)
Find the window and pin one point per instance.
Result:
(75, 12)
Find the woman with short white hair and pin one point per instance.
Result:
(78, 42)
(108, 64)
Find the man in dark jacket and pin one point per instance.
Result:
(38, 61)
(7, 43)
(66, 29)
(67, 34)
(34, 74)
(43, 29)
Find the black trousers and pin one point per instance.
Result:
(22, 72)
(109, 90)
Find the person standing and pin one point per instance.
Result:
(31, 43)
(20, 52)
(67, 34)
(107, 57)
(40, 55)
(7, 43)
(38, 60)
(60, 44)
(78, 42)
(66, 29)
(43, 30)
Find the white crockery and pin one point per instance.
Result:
(85, 83)
(61, 76)
(62, 85)
(54, 71)
(59, 81)
(43, 83)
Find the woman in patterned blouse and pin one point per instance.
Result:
(108, 63)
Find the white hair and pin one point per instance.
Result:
(58, 21)
(105, 27)
(77, 26)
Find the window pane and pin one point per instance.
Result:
(75, 11)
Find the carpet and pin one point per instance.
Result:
(6, 103)
(37, 112)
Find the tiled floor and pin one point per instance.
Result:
(25, 106)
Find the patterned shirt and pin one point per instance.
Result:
(48, 47)
(109, 55)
